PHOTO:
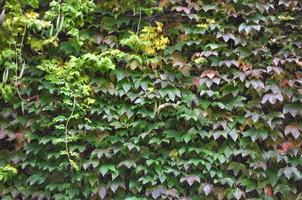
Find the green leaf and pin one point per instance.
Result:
(107, 168)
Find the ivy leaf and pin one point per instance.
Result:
(190, 179)
(293, 109)
(255, 134)
(36, 178)
(114, 187)
(104, 169)
(128, 163)
(119, 75)
(102, 191)
(126, 87)
(207, 188)
(233, 134)
(238, 193)
(289, 171)
(294, 129)
(248, 183)
(106, 63)
(155, 193)
(210, 74)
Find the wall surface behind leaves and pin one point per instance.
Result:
(169, 99)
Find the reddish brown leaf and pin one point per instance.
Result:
(293, 129)
(209, 73)
(299, 63)
(298, 75)
(284, 83)
(21, 140)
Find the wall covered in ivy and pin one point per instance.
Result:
(146, 99)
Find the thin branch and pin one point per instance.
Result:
(66, 128)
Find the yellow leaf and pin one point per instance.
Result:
(32, 15)
(159, 27)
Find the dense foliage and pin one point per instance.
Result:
(146, 99)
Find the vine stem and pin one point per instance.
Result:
(19, 56)
(22, 40)
(66, 128)
(139, 20)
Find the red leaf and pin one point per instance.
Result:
(196, 81)
(268, 191)
(287, 146)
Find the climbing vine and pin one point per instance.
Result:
(151, 99)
